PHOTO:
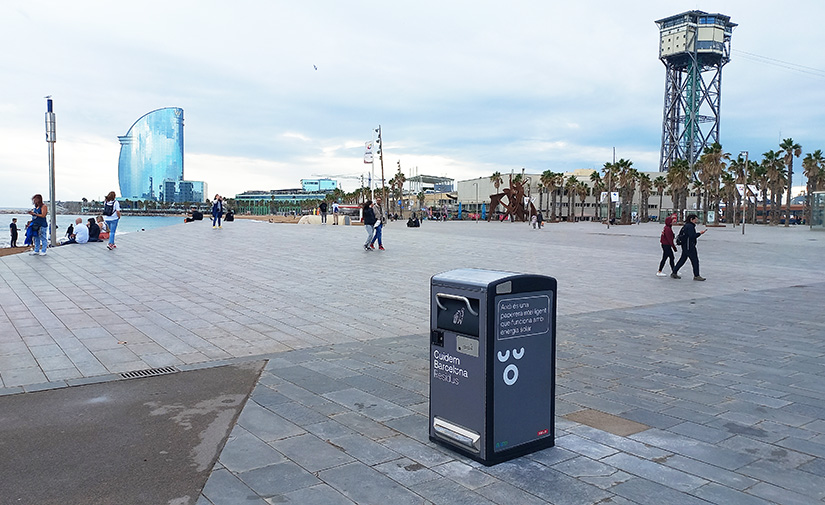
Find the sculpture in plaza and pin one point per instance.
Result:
(515, 199)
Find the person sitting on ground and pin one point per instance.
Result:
(80, 235)
(94, 230)
(104, 230)
(70, 230)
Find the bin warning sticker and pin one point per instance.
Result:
(522, 317)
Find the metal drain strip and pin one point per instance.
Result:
(151, 372)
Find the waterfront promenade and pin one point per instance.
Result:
(721, 381)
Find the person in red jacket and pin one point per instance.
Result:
(668, 246)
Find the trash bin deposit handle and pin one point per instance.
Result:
(454, 297)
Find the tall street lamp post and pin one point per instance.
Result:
(51, 138)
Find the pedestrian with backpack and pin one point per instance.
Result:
(687, 240)
(668, 247)
(111, 215)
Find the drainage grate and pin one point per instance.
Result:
(149, 373)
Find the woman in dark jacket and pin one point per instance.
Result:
(369, 223)
(667, 247)
(689, 248)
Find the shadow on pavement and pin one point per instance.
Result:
(142, 441)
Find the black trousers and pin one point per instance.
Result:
(694, 260)
(667, 254)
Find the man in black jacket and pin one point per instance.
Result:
(689, 248)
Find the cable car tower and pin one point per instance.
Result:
(694, 46)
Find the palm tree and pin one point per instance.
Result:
(610, 171)
(660, 183)
(544, 184)
(678, 177)
(570, 189)
(583, 191)
(627, 187)
(760, 175)
(812, 164)
(645, 185)
(496, 180)
(712, 163)
(789, 149)
(730, 196)
(699, 189)
(598, 187)
(775, 172)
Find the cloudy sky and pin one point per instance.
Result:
(460, 88)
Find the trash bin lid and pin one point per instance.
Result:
(472, 277)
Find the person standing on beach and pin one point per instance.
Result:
(39, 227)
(380, 219)
(369, 223)
(323, 210)
(13, 229)
(335, 211)
(111, 215)
(688, 244)
(217, 211)
(668, 247)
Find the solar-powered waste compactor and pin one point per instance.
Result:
(492, 363)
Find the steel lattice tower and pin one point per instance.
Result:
(693, 46)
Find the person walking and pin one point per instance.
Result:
(369, 223)
(39, 227)
(217, 211)
(380, 220)
(335, 211)
(323, 210)
(111, 215)
(689, 237)
(13, 230)
(668, 246)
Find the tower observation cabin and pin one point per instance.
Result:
(693, 46)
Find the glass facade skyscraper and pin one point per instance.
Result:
(151, 152)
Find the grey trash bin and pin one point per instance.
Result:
(492, 363)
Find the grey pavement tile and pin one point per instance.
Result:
(803, 483)
(803, 446)
(503, 493)
(297, 413)
(546, 483)
(464, 474)
(265, 424)
(5, 391)
(584, 467)
(312, 453)
(551, 455)
(710, 472)
(367, 404)
(645, 492)
(675, 444)
(816, 467)
(787, 458)
(428, 455)
(655, 472)
(716, 493)
(406, 472)
(277, 479)
(320, 494)
(244, 451)
(578, 445)
(416, 426)
(443, 490)
(20, 376)
(776, 494)
(700, 432)
(363, 449)
(364, 425)
(223, 488)
(363, 484)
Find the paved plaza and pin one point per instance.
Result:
(724, 380)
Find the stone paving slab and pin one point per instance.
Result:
(727, 373)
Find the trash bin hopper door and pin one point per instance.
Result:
(457, 313)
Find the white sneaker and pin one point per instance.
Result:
(42, 253)
(661, 274)
(33, 253)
